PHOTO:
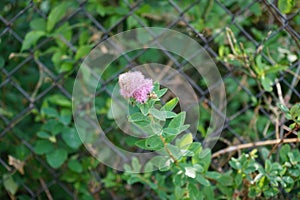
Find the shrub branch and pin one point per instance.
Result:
(255, 144)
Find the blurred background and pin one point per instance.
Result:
(255, 44)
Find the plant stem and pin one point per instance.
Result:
(282, 139)
(167, 150)
(254, 144)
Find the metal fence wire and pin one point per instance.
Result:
(30, 75)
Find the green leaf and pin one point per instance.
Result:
(100, 10)
(295, 111)
(57, 57)
(136, 166)
(43, 134)
(162, 162)
(158, 114)
(268, 166)
(146, 107)
(9, 184)
(283, 152)
(71, 138)
(238, 178)
(170, 114)
(190, 172)
(256, 9)
(266, 83)
(161, 92)
(177, 121)
(82, 51)
(133, 179)
(43, 147)
(260, 66)
(170, 105)
(50, 112)
(156, 86)
(56, 158)
(288, 179)
(132, 109)
(225, 180)
(292, 158)
(62, 34)
(53, 126)
(209, 192)
(65, 116)
(195, 147)
(31, 38)
(65, 67)
(254, 192)
(152, 143)
(194, 192)
(275, 69)
(213, 175)
(204, 158)
(75, 166)
(285, 6)
(38, 24)
(136, 117)
(270, 192)
(156, 127)
(185, 141)
(183, 128)
(235, 164)
(175, 131)
(139, 119)
(56, 15)
(283, 108)
(171, 131)
(149, 168)
(131, 22)
(202, 180)
(60, 100)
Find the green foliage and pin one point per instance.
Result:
(31, 38)
(57, 157)
(285, 6)
(189, 163)
(292, 114)
(9, 184)
(56, 15)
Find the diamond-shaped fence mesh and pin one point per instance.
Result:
(43, 43)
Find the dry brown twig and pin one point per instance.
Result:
(282, 139)
(48, 194)
(255, 144)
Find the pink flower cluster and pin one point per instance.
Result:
(134, 84)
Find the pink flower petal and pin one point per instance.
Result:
(134, 84)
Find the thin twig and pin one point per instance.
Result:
(167, 150)
(49, 196)
(279, 91)
(231, 40)
(282, 139)
(254, 144)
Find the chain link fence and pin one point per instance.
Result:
(30, 74)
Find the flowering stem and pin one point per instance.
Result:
(167, 150)
(165, 144)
